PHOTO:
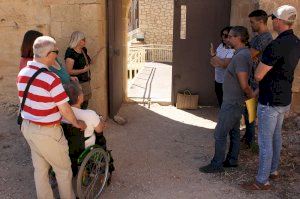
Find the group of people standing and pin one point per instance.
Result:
(77, 61)
(262, 68)
(51, 92)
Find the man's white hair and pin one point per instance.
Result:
(75, 38)
(42, 46)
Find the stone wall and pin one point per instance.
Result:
(239, 16)
(57, 18)
(156, 21)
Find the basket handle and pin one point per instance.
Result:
(187, 92)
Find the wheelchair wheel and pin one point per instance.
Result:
(93, 174)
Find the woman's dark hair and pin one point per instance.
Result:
(242, 32)
(227, 28)
(73, 91)
(29, 37)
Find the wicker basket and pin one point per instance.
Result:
(186, 100)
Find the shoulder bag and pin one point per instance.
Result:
(86, 86)
(20, 119)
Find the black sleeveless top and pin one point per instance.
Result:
(79, 63)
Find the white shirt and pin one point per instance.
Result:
(91, 120)
(222, 53)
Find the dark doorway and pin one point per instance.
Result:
(193, 33)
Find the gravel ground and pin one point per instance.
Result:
(157, 155)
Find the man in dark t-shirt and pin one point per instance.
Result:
(275, 74)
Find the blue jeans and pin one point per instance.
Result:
(250, 128)
(270, 119)
(228, 123)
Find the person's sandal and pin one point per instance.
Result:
(255, 186)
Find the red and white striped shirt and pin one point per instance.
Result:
(44, 95)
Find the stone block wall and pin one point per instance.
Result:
(156, 21)
(57, 18)
(239, 16)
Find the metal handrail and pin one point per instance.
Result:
(139, 54)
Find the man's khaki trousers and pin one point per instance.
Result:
(49, 147)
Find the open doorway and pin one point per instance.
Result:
(150, 44)
(195, 27)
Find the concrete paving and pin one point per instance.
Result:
(152, 83)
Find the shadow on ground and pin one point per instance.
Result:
(157, 155)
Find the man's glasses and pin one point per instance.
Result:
(54, 51)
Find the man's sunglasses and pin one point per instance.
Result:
(225, 35)
(273, 17)
(54, 51)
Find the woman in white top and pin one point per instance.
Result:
(220, 58)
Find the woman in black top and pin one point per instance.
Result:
(78, 64)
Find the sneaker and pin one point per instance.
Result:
(226, 164)
(210, 169)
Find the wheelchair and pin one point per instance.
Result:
(93, 165)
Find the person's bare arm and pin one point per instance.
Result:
(101, 126)
(243, 80)
(212, 50)
(71, 71)
(256, 92)
(218, 62)
(66, 111)
(261, 70)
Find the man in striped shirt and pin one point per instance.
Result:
(44, 107)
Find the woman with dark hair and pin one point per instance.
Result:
(27, 55)
(220, 58)
(26, 48)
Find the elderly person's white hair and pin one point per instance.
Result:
(42, 46)
(75, 38)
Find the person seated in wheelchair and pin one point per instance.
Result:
(79, 141)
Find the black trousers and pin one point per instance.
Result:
(219, 92)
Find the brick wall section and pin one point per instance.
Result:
(156, 20)
(57, 18)
(239, 16)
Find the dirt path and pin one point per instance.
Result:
(157, 155)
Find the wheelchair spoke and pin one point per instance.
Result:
(94, 174)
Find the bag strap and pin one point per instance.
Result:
(86, 61)
(28, 85)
